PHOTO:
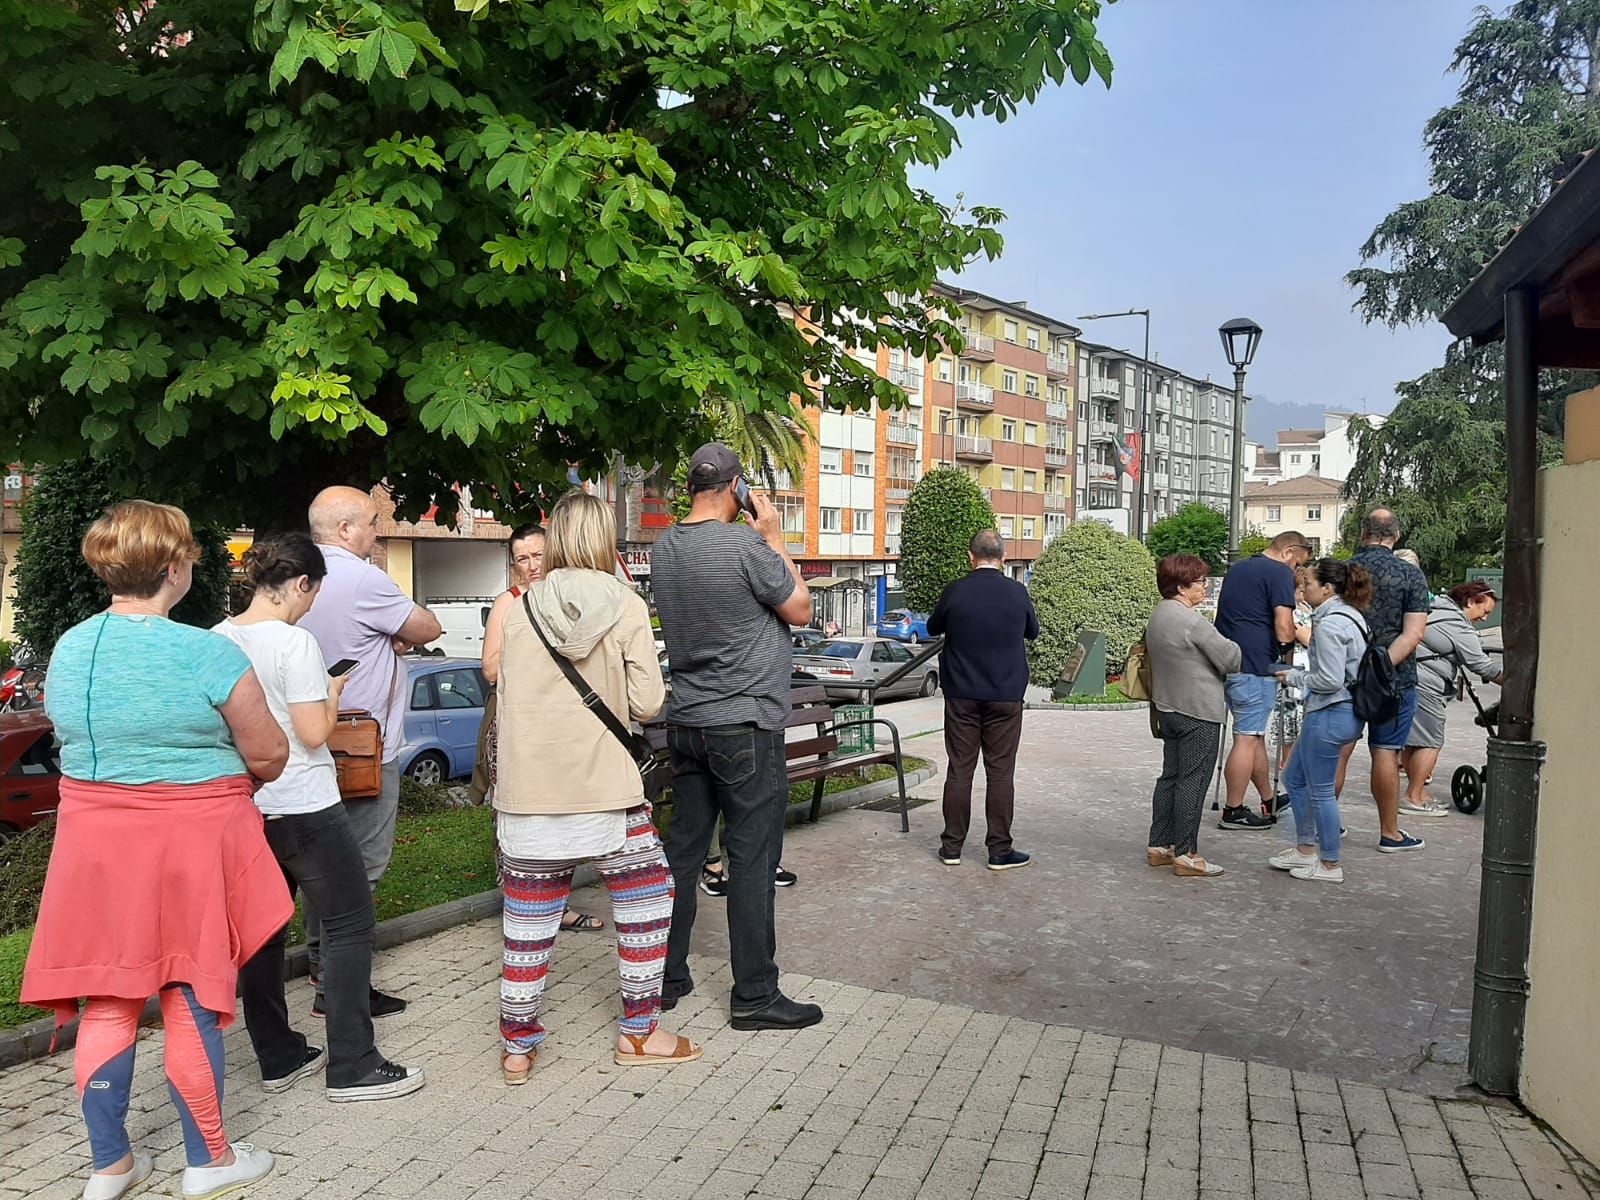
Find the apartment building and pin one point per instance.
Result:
(1001, 411)
(1184, 440)
(1309, 504)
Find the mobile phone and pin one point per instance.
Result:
(741, 493)
(343, 667)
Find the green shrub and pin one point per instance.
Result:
(1090, 577)
(8, 655)
(416, 798)
(1252, 544)
(1196, 529)
(13, 957)
(943, 514)
(55, 587)
(23, 862)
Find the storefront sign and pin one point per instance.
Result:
(815, 570)
(637, 560)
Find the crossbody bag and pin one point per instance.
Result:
(637, 747)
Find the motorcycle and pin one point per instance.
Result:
(22, 687)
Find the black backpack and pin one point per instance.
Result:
(1376, 690)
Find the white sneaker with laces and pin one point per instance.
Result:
(1288, 860)
(207, 1183)
(1431, 809)
(1319, 873)
(111, 1187)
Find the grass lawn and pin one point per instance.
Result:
(441, 853)
(1113, 695)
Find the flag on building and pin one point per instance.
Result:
(1129, 453)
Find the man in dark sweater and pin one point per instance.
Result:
(984, 620)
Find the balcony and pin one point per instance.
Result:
(1100, 429)
(1100, 472)
(1159, 479)
(980, 346)
(1103, 387)
(969, 447)
(1160, 440)
(898, 489)
(909, 378)
(1055, 502)
(972, 394)
(1058, 410)
(1057, 456)
(901, 434)
(1058, 365)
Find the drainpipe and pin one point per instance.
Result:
(1511, 809)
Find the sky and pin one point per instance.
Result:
(1243, 153)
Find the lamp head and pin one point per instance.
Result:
(1240, 337)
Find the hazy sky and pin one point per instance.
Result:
(1243, 153)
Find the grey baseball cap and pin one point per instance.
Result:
(712, 464)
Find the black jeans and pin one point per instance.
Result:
(993, 727)
(319, 855)
(736, 772)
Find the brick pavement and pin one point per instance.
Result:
(892, 1097)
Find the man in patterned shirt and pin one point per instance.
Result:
(1397, 619)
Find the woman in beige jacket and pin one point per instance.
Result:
(568, 790)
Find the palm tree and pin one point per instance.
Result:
(765, 442)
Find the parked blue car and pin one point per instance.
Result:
(443, 713)
(904, 626)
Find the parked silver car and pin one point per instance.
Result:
(861, 660)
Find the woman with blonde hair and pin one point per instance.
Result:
(160, 881)
(578, 663)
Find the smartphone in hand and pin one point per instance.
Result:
(343, 667)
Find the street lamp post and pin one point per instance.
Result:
(1240, 337)
(1144, 415)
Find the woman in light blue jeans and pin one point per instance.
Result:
(1339, 593)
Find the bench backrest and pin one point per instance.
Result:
(808, 706)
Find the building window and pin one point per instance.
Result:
(944, 370)
(1029, 529)
(1008, 382)
(793, 509)
(1030, 481)
(1030, 435)
(892, 517)
(1030, 386)
(1007, 528)
(863, 520)
(1294, 460)
(1313, 512)
(830, 460)
(1033, 338)
(1274, 512)
(1008, 431)
(1008, 479)
(863, 463)
(1011, 332)
(830, 520)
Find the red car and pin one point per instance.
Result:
(30, 771)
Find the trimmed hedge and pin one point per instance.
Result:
(1090, 577)
(943, 514)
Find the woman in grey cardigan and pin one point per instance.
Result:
(1451, 644)
(1339, 594)
(1189, 662)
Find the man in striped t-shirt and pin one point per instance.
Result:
(727, 594)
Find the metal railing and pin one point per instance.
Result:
(908, 378)
(1104, 385)
(1055, 502)
(971, 392)
(1058, 364)
(1058, 410)
(977, 343)
(1057, 456)
(974, 447)
(902, 434)
(1102, 472)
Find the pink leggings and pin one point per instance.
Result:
(107, 1034)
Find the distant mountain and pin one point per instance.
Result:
(1263, 417)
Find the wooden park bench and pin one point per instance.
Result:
(810, 759)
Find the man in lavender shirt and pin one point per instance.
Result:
(361, 613)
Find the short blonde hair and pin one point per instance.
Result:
(582, 533)
(132, 543)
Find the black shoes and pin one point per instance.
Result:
(1243, 818)
(715, 883)
(782, 1013)
(1010, 861)
(384, 1082)
(785, 878)
(316, 1058)
(383, 1004)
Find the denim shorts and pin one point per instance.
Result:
(1393, 736)
(1250, 700)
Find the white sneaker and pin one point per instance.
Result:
(1288, 860)
(1431, 809)
(207, 1183)
(1318, 873)
(111, 1187)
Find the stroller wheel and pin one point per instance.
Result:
(1466, 789)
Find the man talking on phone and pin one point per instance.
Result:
(727, 593)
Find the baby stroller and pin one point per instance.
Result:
(1469, 784)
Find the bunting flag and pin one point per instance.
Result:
(1129, 454)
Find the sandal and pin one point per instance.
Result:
(512, 1077)
(684, 1052)
(584, 922)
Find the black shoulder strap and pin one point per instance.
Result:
(591, 698)
(1365, 633)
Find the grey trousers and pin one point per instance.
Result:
(372, 823)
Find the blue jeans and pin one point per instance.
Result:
(1250, 700)
(1312, 769)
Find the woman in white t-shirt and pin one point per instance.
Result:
(310, 835)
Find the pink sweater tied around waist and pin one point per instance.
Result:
(153, 885)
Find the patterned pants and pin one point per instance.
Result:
(641, 911)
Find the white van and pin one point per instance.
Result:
(463, 618)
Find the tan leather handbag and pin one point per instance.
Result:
(356, 744)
